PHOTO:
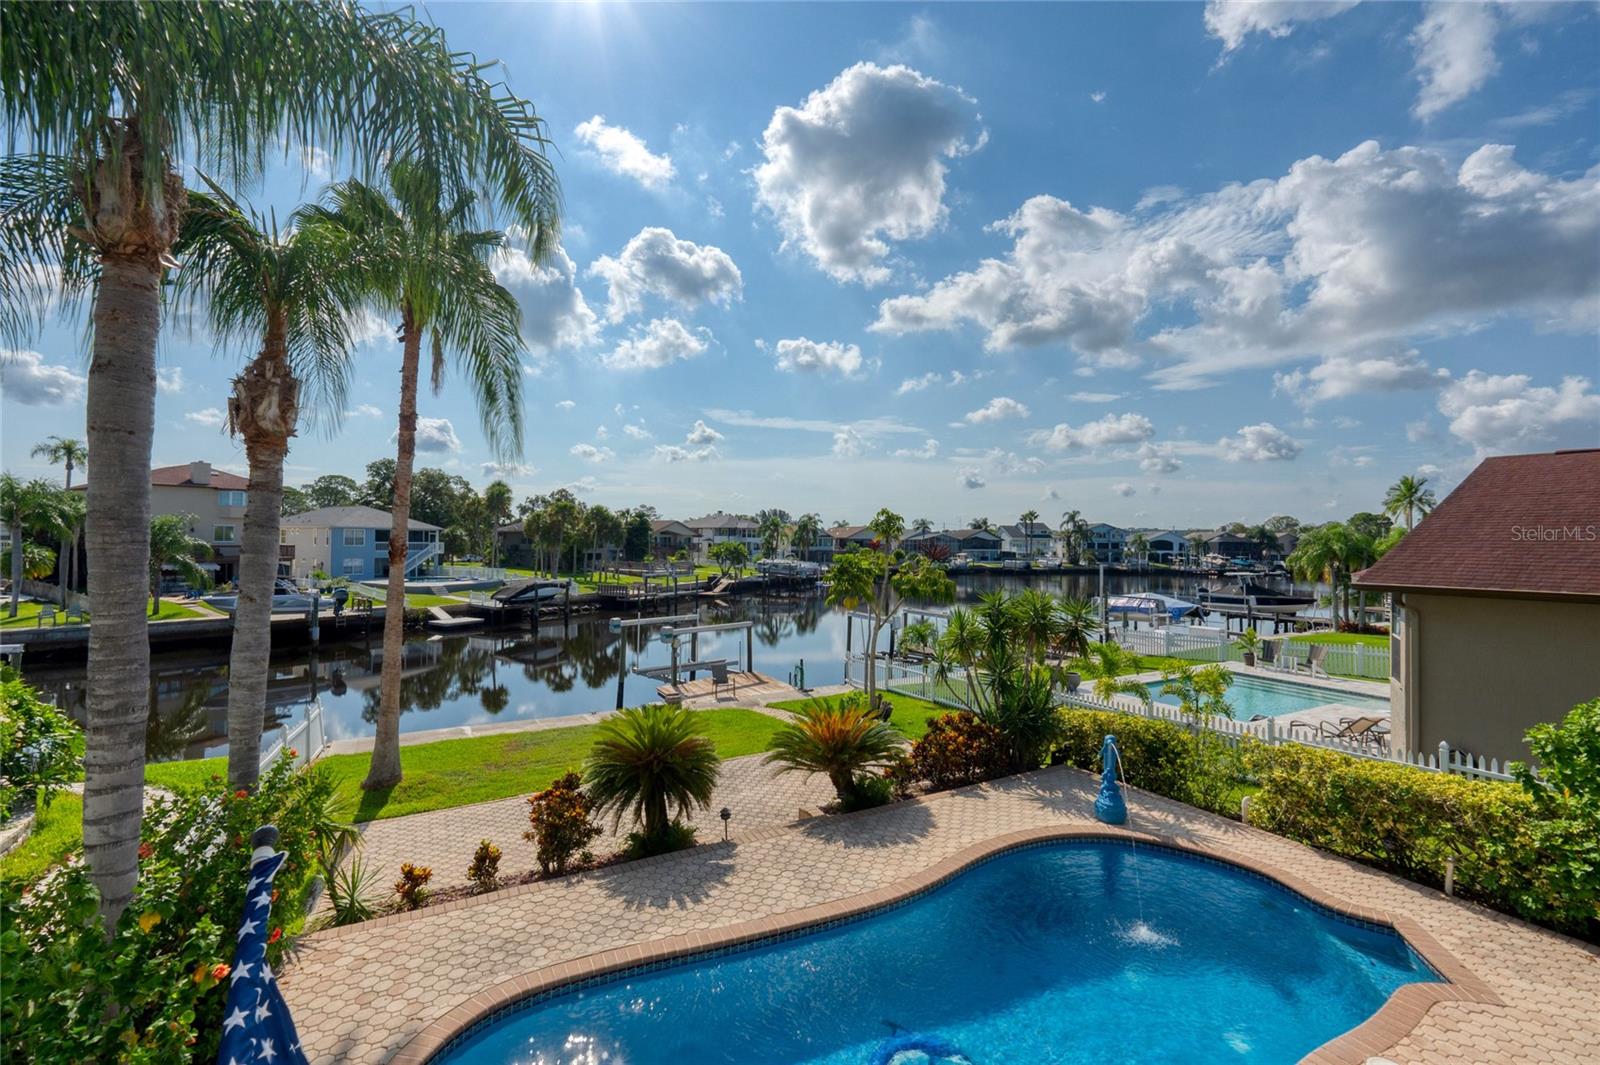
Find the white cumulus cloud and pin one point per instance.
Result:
(862, 162)
(1263, 442)
(997, 409)
(1348, 375)
(801, 355)
(702, 434)
(656, 262)
(1124, 489)
(591, 453)
(622, 152)
(210, 417)
(555, 316)
(662, 342)
(928, 450)
(169, 380)
(29, 380)
(970, 477)
(1507, 413)
(1455, 54)
(436, 434)
(1128, 428)
(1231, 21)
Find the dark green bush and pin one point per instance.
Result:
(1410, 821)
(41, 748)
(1157, 755)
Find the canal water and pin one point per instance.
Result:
(512, 673)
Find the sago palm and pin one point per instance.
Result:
(421, 253)
(841, 739)
(173, 546)
(288, 295)
(105, 100)
(1108, 664)
(652, 764)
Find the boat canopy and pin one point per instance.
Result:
(1147, 604)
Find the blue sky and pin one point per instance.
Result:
(1166, 264)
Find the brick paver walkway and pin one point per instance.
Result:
(360, 994)
(756, 794)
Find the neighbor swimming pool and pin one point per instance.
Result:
(1271, 697)
(1071, 951)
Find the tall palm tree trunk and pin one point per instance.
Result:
(121, 425)
(263, 410)
(16, 566)
(385, 770)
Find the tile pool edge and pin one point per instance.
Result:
(1395, 1019)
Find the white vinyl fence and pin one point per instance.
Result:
(306, 738)
(1199, 643)
(910, 678)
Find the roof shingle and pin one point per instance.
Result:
(1518, 525)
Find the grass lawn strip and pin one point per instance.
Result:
(57, 832)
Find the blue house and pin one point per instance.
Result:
(352, 542)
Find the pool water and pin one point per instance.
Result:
(1078, 951)
(1271, 697)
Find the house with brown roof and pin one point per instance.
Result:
(213, 502)
(1496, 599)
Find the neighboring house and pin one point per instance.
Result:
(353, 542)
(1232, 545)
(844, 538)
(1032, 539)
(515, 547)
(1107, 543)
(720, 528)
(1496, 605)
(980, 545)
(667, 538)
(821, 551)
(214, 502)
(1168, 546)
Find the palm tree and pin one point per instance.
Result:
(1409, 496)
(922, 526)
(291, 294)
(108, 98)
(1027, 518)
(888, 527)
(1079, 620)
(172, 545)
(1139, 547)
(28, 507)
(1332, 552)
(497, 508)
(807, 531)
(771, 529)
(420, 253)
(981, 524)
(1108, 664)
(653, 764)
(842, 739)
(1038, 620)
(1074, 535)
(70, 453)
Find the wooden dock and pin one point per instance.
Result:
(741, 688)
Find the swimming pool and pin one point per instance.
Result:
(1271, 697)
(1071, 951)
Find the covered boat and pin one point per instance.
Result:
(1149, 605)
(532, 591)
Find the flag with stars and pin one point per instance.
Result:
(257, 1029)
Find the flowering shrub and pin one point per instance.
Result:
(959, 748)
(155, 991)
(412, 885)
(563, 823)
(41, 748)
(484, 872)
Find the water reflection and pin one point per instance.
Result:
(506, 674)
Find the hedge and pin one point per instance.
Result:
(1410, 821)
(1157, 755)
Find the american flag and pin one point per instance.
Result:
(257, 1028)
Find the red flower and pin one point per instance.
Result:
(219, 972)
(145, 851)
(241, 794)
(293, 753)
(277, 934)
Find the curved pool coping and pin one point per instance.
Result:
(1393, 1021)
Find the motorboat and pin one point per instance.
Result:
(1253, 597)
(1150, 606)
(520, 593)
(788, 567)
(286, 598)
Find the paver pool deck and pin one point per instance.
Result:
(362, 994)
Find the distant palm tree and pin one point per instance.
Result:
(1139, 547)
(290, 295)
(28, 507)
(807, 532)
(71, 453)
(888, 527)
(1074, 536)
(981, 524)
(1332, 552)
(172, 545)
(841, 739)
(771, 529)
(497, 510)
(1409, 496)
(922, 526)
(421, 253)
(652, 764)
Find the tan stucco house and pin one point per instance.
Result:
(1496, 600)
(213, 501)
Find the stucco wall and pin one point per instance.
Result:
(1484, 669)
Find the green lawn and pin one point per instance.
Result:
(57, 832)
(28, 614)
(458, 772)
(910, 715)
(1348, 638)
(422, 600)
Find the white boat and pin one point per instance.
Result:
(282, 603)
(533, 591)
(1148, 605)
(788, 567)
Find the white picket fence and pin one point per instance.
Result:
(1199, 643)
(306, 739)
(1269, 732)
(909, 678)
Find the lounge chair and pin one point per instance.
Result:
(1267, 657)
(75, 616)
(1314, 659)
(719, 677)
(47, 612)
(1364, 730)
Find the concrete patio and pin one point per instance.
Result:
(363, 993)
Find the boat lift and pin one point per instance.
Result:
(619, 625)
(671, 636)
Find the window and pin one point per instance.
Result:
(283, 536)
(230, 499)
(222, 534)
(380, 536)
(355, 538)
(352, 567)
